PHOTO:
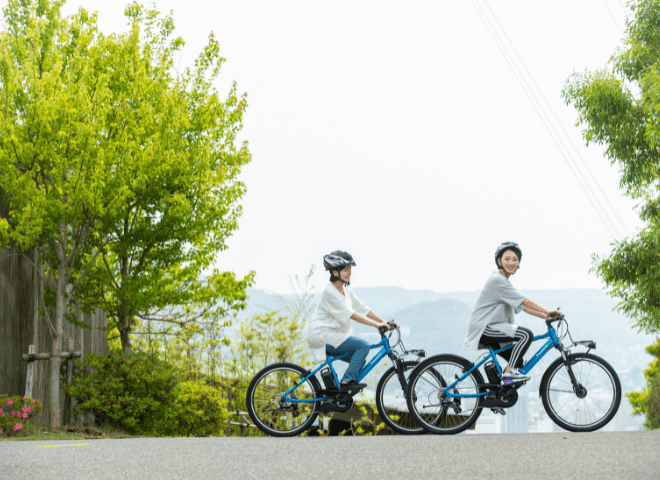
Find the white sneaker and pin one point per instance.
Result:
(514, 376)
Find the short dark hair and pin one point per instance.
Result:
(332, 275)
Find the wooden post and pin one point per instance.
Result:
(229, 410)
(30, 373)
(242, 427)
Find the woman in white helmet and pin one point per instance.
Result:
(329, 330)
(491, 321)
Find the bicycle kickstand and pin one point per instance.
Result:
(498, 410)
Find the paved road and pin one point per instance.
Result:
(626, 455)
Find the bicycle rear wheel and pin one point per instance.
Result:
(275, 416)
(427, 402)
(391, 401)
(592, 405)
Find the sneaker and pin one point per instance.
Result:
(513, 376)
(352, 385)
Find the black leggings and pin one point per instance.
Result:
(496, 340)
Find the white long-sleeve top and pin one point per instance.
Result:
(331, 322)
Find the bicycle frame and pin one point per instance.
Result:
(384, 344)
(553, 341)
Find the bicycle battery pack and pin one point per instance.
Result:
(491, 372)
(328, 379)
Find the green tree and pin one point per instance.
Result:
(182, 179)
(60, 164)
(619, 107)
(121, 174)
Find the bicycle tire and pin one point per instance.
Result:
(426, 384)
(401, 421)
(262, 402)
(596, 378)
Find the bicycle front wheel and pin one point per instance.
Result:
(391, 401)
(428, 404)
(592, 403)
(274, 415)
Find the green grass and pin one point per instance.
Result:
(40, 432)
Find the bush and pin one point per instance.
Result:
(197, 410)
(130, 391)
(15, 412)
(140, 394)
(653, 412)
(647, 402)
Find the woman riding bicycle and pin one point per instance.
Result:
(329, 330)
(491, 321)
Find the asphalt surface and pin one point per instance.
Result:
(626, 455)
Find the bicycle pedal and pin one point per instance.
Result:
(498, 410)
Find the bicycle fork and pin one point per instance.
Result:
(577, 387)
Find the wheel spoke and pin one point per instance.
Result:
(392, 404)
(593, 404)
(275, 416)
(435, 411)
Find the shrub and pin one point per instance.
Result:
(140, 394)
(197, 410)
(647, 402)
(653, 412)
(130, 391)
(15, 412)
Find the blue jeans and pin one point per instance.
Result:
(358, 348)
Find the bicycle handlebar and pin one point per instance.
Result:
(383, 330)
(554, 317)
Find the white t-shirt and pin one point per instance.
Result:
(331, 322)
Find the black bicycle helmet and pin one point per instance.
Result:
(503, 248)
(338, 260)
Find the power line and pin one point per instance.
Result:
(611, 228)
(623, 8)
(612, 15)
(577, 151)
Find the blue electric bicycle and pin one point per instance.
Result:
(580, 391)
(284, 399)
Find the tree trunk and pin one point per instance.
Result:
(124, 335)
(55, 359)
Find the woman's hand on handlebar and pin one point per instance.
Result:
(385, 326)
(554, 315)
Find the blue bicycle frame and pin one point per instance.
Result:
(385, 350)
(551, 335)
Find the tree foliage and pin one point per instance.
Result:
(647, 402)
(181, 180)
(619, 107)
(60, 163)
(118, 169)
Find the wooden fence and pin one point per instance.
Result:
(21, 326)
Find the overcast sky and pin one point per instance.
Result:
(397, 131)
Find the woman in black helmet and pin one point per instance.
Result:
(491, 321)
(329, 330)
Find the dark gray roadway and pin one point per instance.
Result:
(625, 455)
